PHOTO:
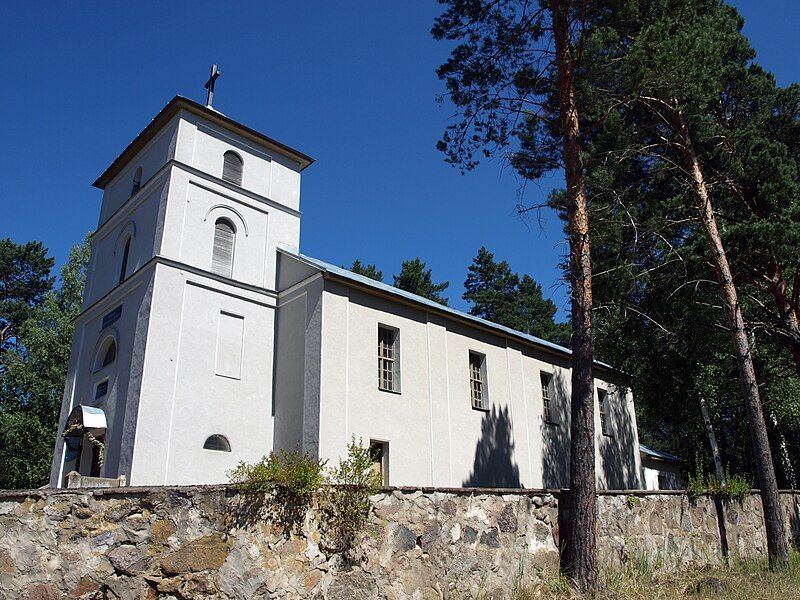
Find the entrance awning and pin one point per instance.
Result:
(92, 419)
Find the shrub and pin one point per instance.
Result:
(344, 503)
(282, 483)
(736, 487)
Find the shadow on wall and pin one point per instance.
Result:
(494, 464)
(555, 437)
(617, 450)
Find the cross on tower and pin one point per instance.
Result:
(210, 84)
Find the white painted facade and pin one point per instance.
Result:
(283, 353)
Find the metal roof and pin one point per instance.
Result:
(166, 113)
(350, 277)
(658, 454)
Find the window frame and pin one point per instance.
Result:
(136, 185)
(394, 359)
(546, 380)
(602, 399)
(482, 381)
(126, 253)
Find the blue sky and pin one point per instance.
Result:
(352, 84)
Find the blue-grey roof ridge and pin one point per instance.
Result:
(658, 453)
(389, 289)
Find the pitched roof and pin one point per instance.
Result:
(349, 277)
(166, 113)
(658, 454)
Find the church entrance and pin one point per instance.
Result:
(84, 439)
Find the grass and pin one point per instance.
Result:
(746, 580)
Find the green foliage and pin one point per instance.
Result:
(736, 487)
(32, 378)
(344, 502)
(499, 295)
(631, 501)
(367, 270)
(415, 278)
(283, 487)
(283, 484)
(24, 280)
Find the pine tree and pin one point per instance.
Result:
(415, 278)
(367, 270)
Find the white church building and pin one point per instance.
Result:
(206, 338)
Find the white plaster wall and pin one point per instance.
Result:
(202, 145)
(183, 400)
(82, 376)
(151, 158)
(435, 436)
(139, 219)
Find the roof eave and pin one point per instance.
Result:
(172, 107)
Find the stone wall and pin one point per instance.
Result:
(198, 542)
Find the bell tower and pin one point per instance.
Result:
(173, 351)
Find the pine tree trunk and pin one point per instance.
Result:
(581, 544)
(712, 439)
(777, 542)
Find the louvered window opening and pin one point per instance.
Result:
(123, 269)
(232, 167)
(222, 254)
(547, 381)
(111, 355)
(477, 385)
(137, 181)
(388, 379)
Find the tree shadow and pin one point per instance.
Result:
(618, 449)
(494, 464)
(555, 437)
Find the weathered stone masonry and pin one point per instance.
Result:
(191, 542)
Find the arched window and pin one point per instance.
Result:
(232, 167)
(217, 442)
(222, 253)
(123, 268)
(106, 354)
(137, 181)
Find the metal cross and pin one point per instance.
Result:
(210, 84)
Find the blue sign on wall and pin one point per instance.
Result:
(111, 317)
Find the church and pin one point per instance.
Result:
(207, 338)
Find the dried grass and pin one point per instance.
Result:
(742, 580)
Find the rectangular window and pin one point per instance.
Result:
(388, 359)
(602, 398)
(230, 339)
(477, 381)
(101, 389)
(547, 397)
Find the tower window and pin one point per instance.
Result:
(106, 355)
(217, 442)
(388, 359)
(222, 253)
(137, 181)
(232, 167)
(477, 381)
(123, 269)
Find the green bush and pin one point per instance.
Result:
(282, 483)
(736, 487)
(344, 503)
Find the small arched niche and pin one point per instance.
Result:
(217, 443)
